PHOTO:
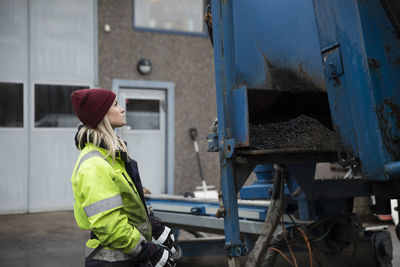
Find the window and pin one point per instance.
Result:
(53, 107)
(11, 105)
(142, 114)
(182, 16)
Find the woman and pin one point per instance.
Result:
(108, 194)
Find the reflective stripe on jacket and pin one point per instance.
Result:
(106, 202)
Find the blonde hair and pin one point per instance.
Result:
(103, 133)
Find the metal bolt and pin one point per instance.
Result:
(238, 251)
(332, 69)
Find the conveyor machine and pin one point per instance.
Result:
(301, 82)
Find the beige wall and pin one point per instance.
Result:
(185, 60)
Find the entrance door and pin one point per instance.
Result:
(145, 134)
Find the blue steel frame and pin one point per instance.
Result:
(225, 81)
(262, 187)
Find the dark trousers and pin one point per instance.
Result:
(98, 263)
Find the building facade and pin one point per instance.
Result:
(50, 48)
(177, 55)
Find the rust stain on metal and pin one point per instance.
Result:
(345, 151)
(337, 81)
(374, 63)
(301, 70)
(388, 49)
(388, 52)
(391, 55)
(389, 123)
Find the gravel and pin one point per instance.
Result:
(302, 132)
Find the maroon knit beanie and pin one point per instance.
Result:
(91, 105)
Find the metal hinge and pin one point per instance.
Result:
(332, 60)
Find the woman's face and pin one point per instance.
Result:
(116, 115)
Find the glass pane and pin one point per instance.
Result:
(53, 107)
(142, 114)
(173, 15)
(11, 105)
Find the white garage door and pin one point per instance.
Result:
(47, 51)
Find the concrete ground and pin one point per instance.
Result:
(53, 239)
(41, 239)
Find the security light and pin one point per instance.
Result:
(144, 66)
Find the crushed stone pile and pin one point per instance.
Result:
(302, 132)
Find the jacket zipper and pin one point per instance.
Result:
(133, 188)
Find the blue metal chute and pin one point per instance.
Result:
(276, 45)
(278, 52)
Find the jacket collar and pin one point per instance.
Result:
(121, 155)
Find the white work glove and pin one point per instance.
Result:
(153, 255)
(163, 236)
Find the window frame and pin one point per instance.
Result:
(24, 106)
(32, 118)
(159, 105)
(204, 34)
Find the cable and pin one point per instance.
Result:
(308, 245)
(304, 235)
(287, 242)
(290, 217)
(282, 254)
(316, 253)
(325, 234)
(257, 254)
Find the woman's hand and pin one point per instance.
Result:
(155, 255)
(163, 235)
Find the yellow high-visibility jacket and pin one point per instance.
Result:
(107, 202)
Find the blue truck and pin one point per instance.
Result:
(298, 83)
